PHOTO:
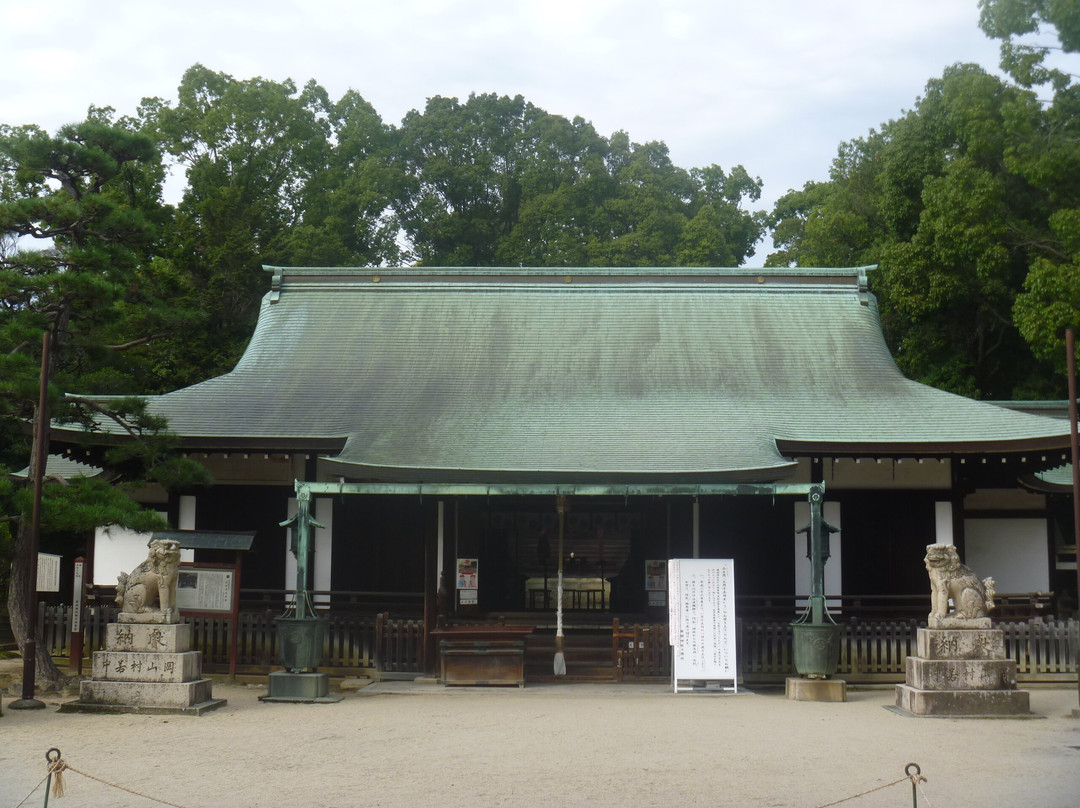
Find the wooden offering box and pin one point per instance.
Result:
(482, 655)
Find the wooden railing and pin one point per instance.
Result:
(377, 642)
(640, 652)
(1017, 606)
(870, 651)
(874, 651)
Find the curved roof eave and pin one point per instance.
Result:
(369, 472)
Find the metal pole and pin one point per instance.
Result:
(1070, 359)
(817, 560)
(41, 427)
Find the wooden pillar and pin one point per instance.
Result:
(432, 533)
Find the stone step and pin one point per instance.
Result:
(960, 674)
(146, 694)
(963, 703)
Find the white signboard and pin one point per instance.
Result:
(77, 598)
(701, 610)
(204, 590)
(48, 572)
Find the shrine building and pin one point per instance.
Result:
(681, 411)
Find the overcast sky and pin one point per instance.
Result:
(775, 85)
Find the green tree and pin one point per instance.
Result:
(937, 200)
(1046, 152)
(275, 175)
(496, 180)
(1023, 26)
(90, 196)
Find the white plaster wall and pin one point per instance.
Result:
(186, 521)
(943, 524)
(117, 550)
(833, 567)
(1011, 551)
(324, 512)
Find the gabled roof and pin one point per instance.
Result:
(580, 374)
(63, 467)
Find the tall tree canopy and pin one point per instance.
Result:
(968, 204)
(496, 180)
(1046, 152)
(275, 175)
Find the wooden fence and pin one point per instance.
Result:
(640, 652)
(353, 640)
(870, 650)
(874, 651)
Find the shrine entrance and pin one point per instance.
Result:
(493, 555)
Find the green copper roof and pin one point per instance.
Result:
(579, 374)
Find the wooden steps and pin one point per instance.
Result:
(587, 654)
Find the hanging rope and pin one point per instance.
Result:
(915, 778)
(56, 769)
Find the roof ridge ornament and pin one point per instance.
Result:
(275, 282)
(864, 284)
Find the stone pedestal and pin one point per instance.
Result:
(961, 672)
(798, 689)
(146, 668)
(311, 687)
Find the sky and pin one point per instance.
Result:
(773, 85)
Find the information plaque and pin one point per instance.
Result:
(701, 611)
(205, 590)
(48, 575)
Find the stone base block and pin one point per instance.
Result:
(800, 689)
(960, 643)
(960, 623)
(142, 695)
(170, 617)
(963, 703)
(136, 666)
(299, 687)
(960, 674)
(169, 638)
(112, 709)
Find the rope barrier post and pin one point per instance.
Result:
(914, 776)
(52, 766)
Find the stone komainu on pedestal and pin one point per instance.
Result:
(972, 599)
(150, 588)
(960, 668)
(147, 665)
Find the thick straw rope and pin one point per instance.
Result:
(914, 779)
(59, 766)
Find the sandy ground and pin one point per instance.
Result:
(412, 744)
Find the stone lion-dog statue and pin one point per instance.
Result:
(972, 599)
(150, 588)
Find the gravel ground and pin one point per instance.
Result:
(414, 744)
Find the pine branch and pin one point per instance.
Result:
(122, 422)
(136, 342)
